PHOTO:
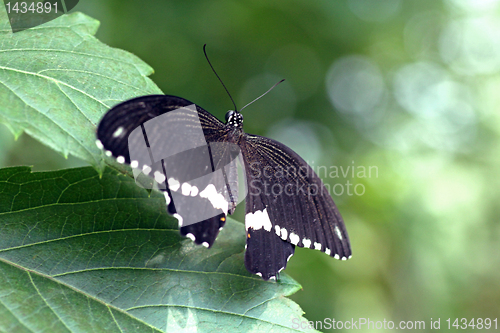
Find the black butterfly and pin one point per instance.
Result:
(286, 205)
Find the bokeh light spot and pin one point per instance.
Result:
(377, 11)
(354, 85)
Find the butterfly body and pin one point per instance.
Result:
(193, 158)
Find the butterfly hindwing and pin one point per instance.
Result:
(205, 232)
(266, 253)
(299, 207)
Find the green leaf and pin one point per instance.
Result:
(57, 80)
(79, 252)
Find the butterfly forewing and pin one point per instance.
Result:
(119, 122)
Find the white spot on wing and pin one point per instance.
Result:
(328, 251)
(284, 234)
(349, 257)
(120, 159)
(289, 257)
(277, 229)
(98, 143)
(294, 239)
(159, 177)
(179, 218)
(317, 246)
(146, 169)
(272, 278)
(258, 220)
(344, 258)
(108, 153)
(259, 274)
(216, 199)
(336, 256)
(306, 242)
(173, 184)
(337, 231)
(134, 164)
(194, 191)
(118, 132)
(167, 198)
(191, 236)
(205, 244)
(185, 188)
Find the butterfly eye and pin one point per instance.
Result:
(229, 114)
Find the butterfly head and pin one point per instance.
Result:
(234, 118)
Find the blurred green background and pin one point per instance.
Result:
(407, 87)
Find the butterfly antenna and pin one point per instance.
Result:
(262, 95)
(232, 100)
